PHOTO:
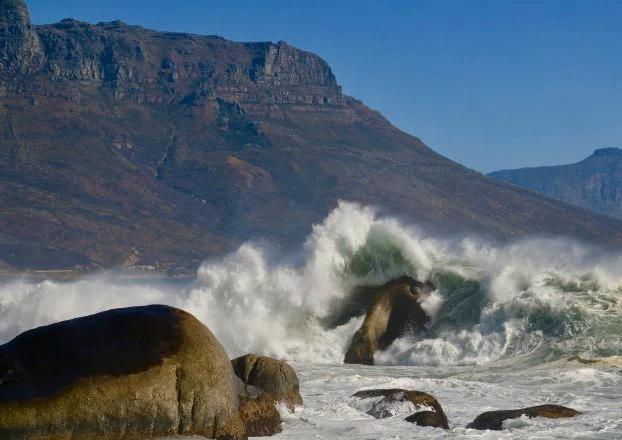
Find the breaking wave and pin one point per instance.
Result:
(533, 300)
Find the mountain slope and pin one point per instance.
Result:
(595, 183)
(120, 144)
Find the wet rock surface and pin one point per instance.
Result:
(266, 382)
(493, 420)
(427, 410)
(395, 312)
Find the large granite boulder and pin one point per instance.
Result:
(266, 381)
(493, 420)
(130, 373)
(395, 312)
(425, 409)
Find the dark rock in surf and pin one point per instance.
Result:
(382, 392)
(266, 381)
(428, 418)
(130, 373)
(428, 411)
(395, 312)
(493, 420)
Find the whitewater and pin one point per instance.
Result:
(512, 325)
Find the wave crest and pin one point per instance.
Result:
(550, 297)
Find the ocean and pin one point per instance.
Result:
(512, 325)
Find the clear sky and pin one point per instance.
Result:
(489, 84)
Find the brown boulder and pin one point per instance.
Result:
(129, 373)
(268, 377)
(260, 416)
(428, 418)
(431, 413)
(395, 312)
(266, 381)
(493, 420)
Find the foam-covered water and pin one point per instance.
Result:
(508, 322)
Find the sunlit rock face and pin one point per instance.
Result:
(129, 373)
(128, 146)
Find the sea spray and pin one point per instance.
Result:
(516, 298)
(254, 307)
(26, 304)
(544, 298)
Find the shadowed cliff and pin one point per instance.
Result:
(595, 183)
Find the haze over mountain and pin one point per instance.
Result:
(595, 183)
(126, 145)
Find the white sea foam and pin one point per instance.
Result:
(500, 315)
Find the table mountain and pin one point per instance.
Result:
(595, 183)
(120, 144)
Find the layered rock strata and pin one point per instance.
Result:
(121, 145)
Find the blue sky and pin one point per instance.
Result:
(489, 84)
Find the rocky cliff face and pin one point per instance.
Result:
(122, 145)
(20, 49)
(151, 67)
(595, 183)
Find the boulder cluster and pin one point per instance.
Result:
(136, 373)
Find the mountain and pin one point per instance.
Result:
(123, 145)
(595, 183)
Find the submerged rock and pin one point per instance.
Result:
(266, 381)
(606, 361)
(428, 412)
(493, 420)
(129, 373)
(395, 312)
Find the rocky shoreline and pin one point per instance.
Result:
(156, 371)
(132, 373)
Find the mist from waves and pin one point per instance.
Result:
(536, 299)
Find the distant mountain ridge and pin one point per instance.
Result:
(123, 145)
(594, 183)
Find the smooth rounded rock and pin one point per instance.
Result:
(129, 373)
(268, 377)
